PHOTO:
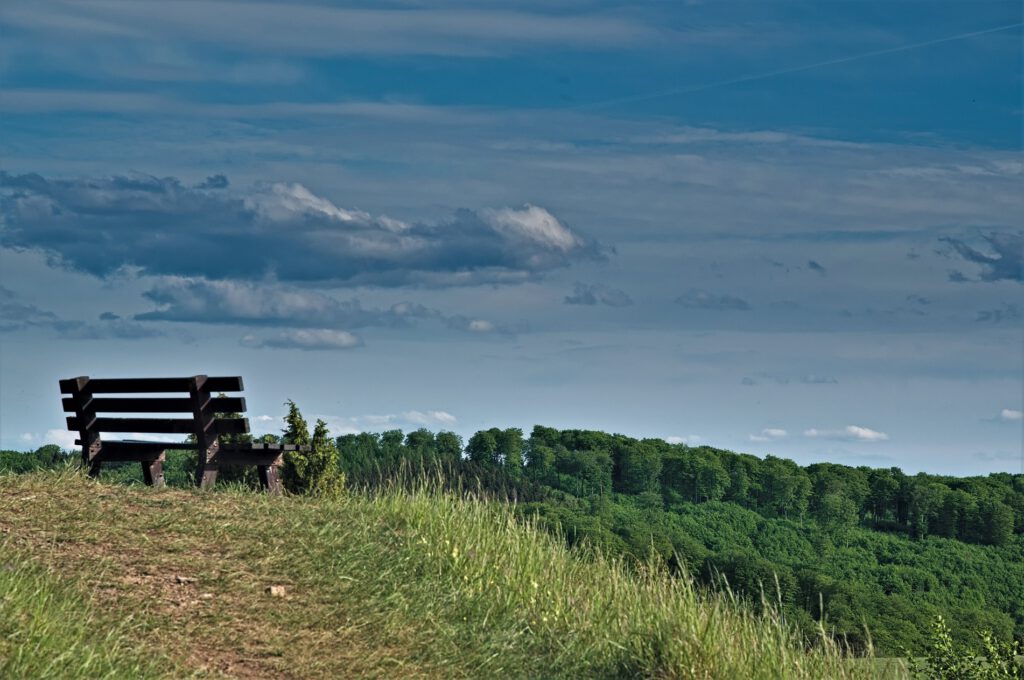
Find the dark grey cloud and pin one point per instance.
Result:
(1008, 313)
(107, 329)
(593, 294)
(163, 227)
(814, 266)
(17, 315)
(815, 379)
(214, 182)
(1006, 263)
(702, 299)
(918, 300)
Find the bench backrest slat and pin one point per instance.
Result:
(154, 404)
(161, 425)
(139, 385)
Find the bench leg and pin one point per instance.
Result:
(94, 469)
(269, 479)
(153, 472)
(207, 477)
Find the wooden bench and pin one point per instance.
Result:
(203, 424)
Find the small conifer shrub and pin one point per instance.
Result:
(313, 469)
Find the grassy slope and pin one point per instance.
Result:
(398, 585)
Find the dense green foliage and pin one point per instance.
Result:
(46, 457)
(872, 554)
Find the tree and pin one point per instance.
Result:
(739, 482)
(483, 448)
(540, 463)
(584, 473)
(924, 503)
(784, 487)
(883, 487)
(711, 480)
(419, 448)
(391, 451)
(956, 515)
(313, 470)
(510, 448)
(637, 467)
(996, 523)
(836, 513)
(449, 448)
(358, 455)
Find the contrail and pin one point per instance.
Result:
(793, 69)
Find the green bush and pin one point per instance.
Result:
(313, 468)
(946, 660)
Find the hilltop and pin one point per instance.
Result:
(111, 581)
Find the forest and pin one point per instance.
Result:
(872, 554)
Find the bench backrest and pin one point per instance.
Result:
(198, 402)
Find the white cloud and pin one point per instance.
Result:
(312, 29)
(280, 202)
(768, 434)
(375, 420)
(430, 417)
(27, 437)
(854, 433)
(265, 418)
(314, 339)
(689, 440)
(1011, 414)
(407, 420)
(480, 326)
(533, 223)
(62, 438)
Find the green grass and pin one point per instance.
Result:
(48, 630)
(401, 584)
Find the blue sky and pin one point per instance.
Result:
(776, 227)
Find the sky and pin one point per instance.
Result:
(777, 227)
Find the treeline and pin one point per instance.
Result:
(44, 458)
(987, 510)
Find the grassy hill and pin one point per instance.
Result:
(101, 580)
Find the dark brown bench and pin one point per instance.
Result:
(202, 423)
